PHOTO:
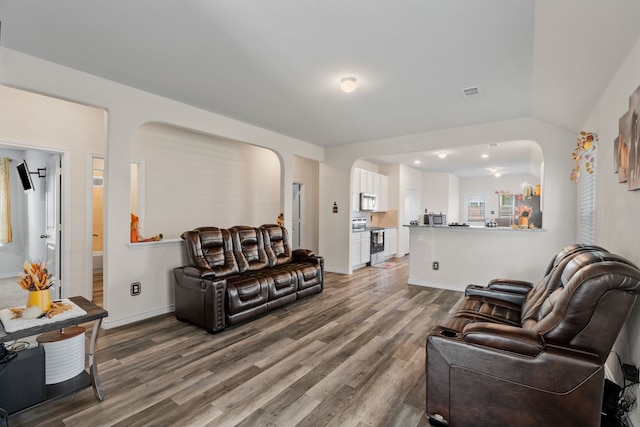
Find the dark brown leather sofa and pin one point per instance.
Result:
(239, 273)
(540, 362)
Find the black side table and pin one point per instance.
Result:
(88, 377)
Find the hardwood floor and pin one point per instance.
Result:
(98, 287)
(350, 356)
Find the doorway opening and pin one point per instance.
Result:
(36, 222)
(97, 200)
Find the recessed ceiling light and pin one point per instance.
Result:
(485, 156)
(497, 175)
(348, 84)
(417, 162)
(442, 155)
(493, 170)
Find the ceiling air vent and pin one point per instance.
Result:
(471, 92)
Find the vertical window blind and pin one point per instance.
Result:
(586, 207)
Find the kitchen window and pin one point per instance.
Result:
(475, 209)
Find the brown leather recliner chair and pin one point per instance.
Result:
(512, 286)
(547, 370)
(510, 301)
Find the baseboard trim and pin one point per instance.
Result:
(109, 323)
(436, 285)
(335, 270)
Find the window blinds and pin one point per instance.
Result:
(586, 207)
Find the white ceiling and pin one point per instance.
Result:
(513, 157)
(276, 64)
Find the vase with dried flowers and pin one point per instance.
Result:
(585, 149)
(38, 281)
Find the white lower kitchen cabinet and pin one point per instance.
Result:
(360, 249)
(390, 242)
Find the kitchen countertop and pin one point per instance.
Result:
(367, 229)
(474, 228)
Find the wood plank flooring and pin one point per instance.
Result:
(350, 356)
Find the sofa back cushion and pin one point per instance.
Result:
(249, 248)
(569, 251)
(551, 281)
(210, 248)
(276, 241)
(588, 310)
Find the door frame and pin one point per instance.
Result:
(301, 213)
(65, 206)
(89, 234)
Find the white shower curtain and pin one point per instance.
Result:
(5, 202)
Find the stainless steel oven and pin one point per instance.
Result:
(377, 245)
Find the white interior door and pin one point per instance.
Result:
(53, 232)
(296, 219)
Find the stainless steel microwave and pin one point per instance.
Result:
(435, 219)
(368, 201)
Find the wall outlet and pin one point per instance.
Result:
(136, 288)
(436, 265)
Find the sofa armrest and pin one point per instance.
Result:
(513, 339)
(297, 253)
(200, 301)
(509, 285)
(481, 291)
(481, 350)
(306, 255)
(199, 272)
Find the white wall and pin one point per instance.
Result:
(306, 172)
(35, 122)
(556, 144)
(435, 194)
(616, 208)
(454, 199)
(194, 180)
(128, 109)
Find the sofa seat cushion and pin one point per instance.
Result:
(245, 292)
(308, 274)
(280, 282)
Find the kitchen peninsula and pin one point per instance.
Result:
(453, 257)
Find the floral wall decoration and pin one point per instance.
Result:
(584, 154)
(625, 147)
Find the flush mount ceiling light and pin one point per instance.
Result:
(348, 84)
(442, 155)
(485, 156)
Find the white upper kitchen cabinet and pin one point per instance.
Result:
(365, 181)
